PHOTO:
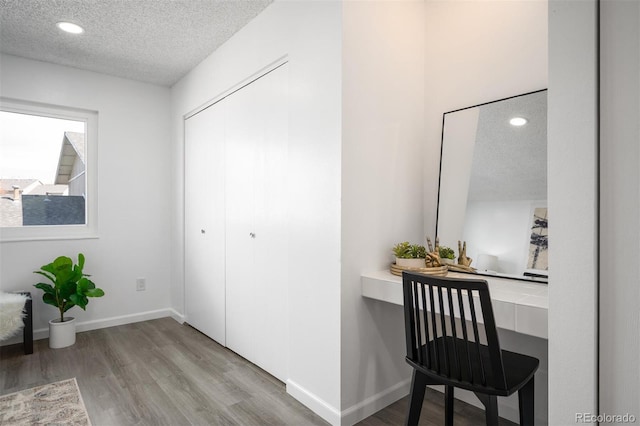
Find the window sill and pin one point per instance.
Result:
(12, 235)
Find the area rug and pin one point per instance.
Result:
(58, 403)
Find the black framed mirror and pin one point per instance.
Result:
(492, 189)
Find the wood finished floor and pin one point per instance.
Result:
(162, 373)
(432, 413)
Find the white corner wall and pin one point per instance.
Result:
(573, 209)
(308, 33)
(382, 151)
(133, 203)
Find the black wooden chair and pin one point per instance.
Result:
(461, 353)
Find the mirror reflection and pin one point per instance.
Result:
(493, 185)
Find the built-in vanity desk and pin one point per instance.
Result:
(520, 309)
(519, 306)
(492, 194)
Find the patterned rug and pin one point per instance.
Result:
(58, 403)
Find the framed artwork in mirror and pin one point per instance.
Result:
(538, 259)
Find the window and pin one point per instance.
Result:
(47, 172)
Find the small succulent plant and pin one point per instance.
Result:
(446, 252)
(405, 250)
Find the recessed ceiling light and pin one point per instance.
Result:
(70, 28)
(518, 121)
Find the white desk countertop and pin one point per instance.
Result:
(518, 306)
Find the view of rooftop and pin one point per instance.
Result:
(42, 170)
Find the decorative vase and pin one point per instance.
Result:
(62, 334)
(410, 263)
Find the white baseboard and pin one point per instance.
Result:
(124, 319)
(43, 333)
(315, 404)
(353, 414)
(177, 316)
(375, 403)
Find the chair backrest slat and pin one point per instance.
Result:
(454, 334)
(434, 326)
(433, 340)
(416, 313)
(425, 319)
(476, 338)
(495, 354)
(409, 322)
(443, 326)
(465, 335)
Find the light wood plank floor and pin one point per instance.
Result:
(162, 373)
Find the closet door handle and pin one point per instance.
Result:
(252, 235)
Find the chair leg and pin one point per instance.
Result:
(416, 397)
(526, 402)
(491, 411)
(27, 331)
(490, 403)
(448, 405)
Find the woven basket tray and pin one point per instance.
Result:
(440, 271)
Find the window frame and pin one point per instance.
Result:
(62, 232)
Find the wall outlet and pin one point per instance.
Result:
(141, 284)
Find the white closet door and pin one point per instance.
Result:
(242, 129)
(205, 222)
(256, 203)
(271, 207)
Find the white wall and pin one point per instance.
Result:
(573, 205)
(134, 200)
(382, 151)
(619, 207)
(480, 51)
(309, 33)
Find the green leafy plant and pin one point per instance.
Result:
(70, 288)
(405, 250)
(446, 252)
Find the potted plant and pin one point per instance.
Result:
(410, 255)
(70, 288)
(447, 255)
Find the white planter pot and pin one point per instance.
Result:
(410, 263)
(446, 261)
(62, 334)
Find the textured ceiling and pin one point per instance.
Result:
(510, 163)
(156, 41)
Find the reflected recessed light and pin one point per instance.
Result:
(70, 28)
(518, 121)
